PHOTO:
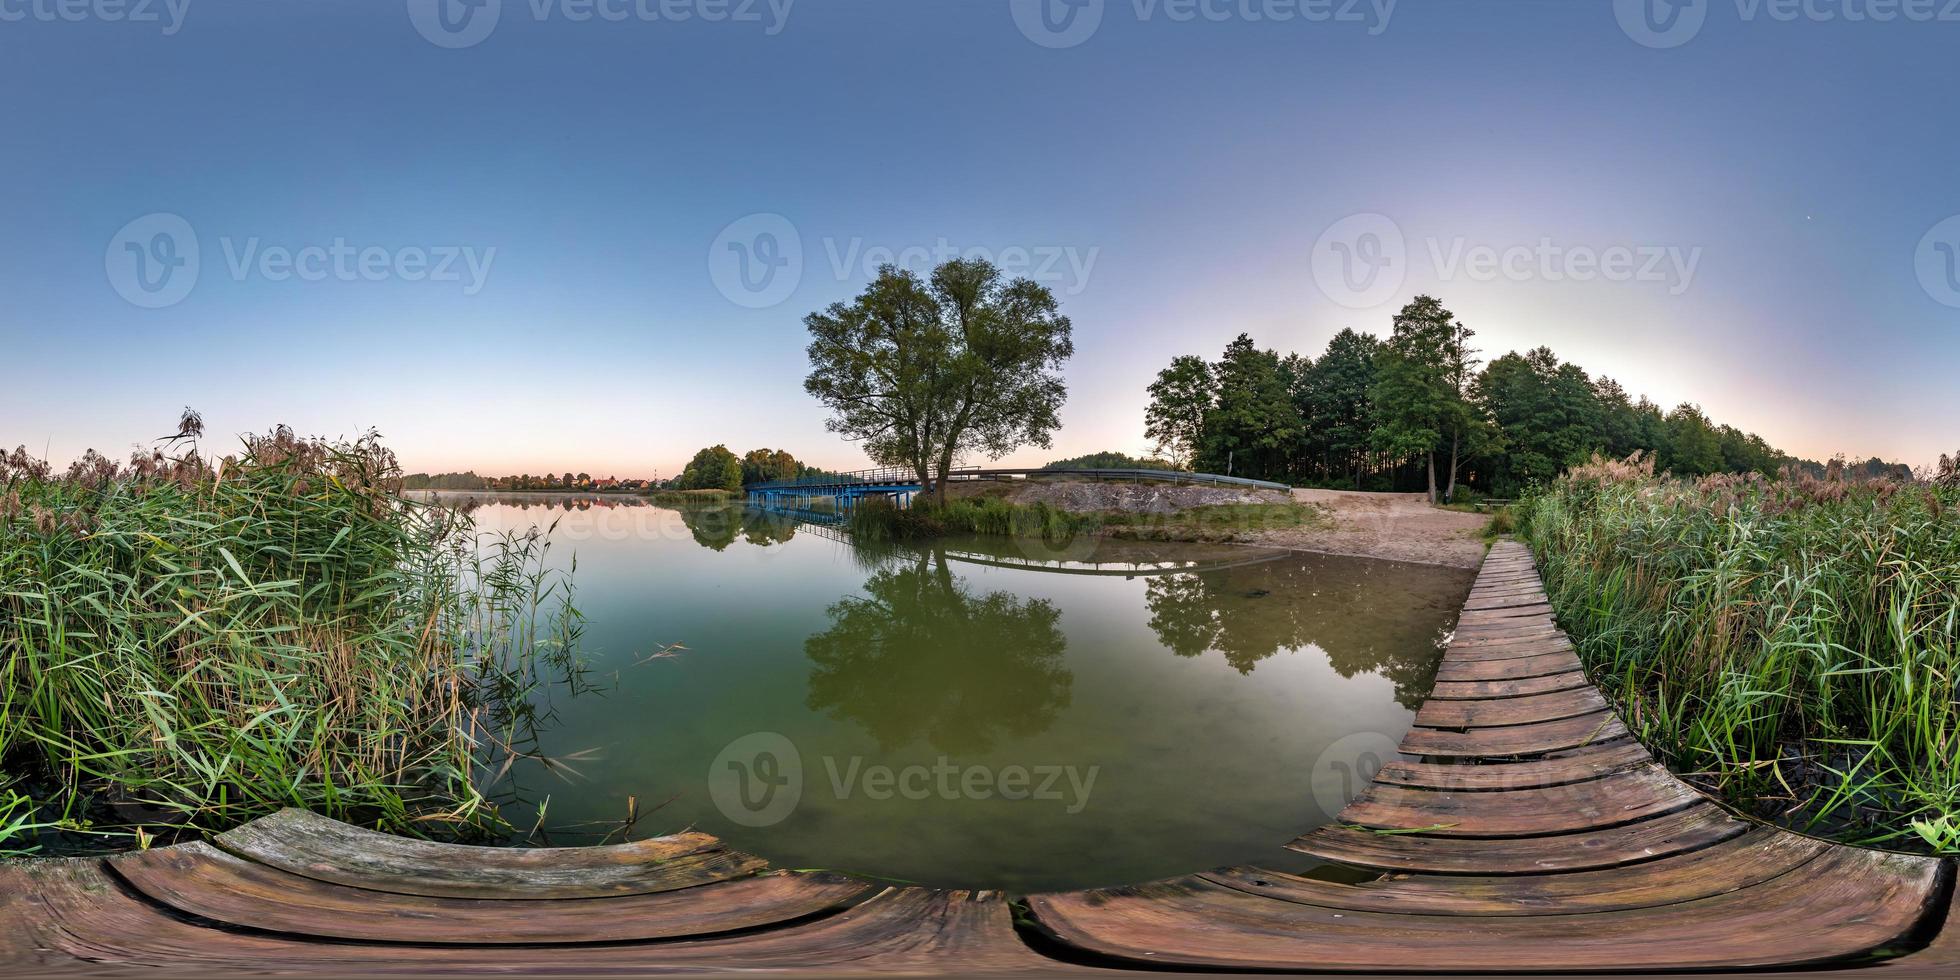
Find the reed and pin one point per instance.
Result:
(1790, 644)
(187, 644)
(873, 521)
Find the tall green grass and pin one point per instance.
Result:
(874, 521)
(1791, 644)
(185, 645)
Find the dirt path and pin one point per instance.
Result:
(1399, 526)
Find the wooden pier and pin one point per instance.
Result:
(1528, 833)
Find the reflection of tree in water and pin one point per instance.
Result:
(715, 528)
(918, 656)
(1385, 618)
(567, 502)
(762, 528)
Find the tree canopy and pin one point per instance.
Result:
(713, 468)
(1179, 400)
(1415, 411)
(926, 373)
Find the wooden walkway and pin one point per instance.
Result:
(1533, 835)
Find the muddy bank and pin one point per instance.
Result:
(1085, 497)
(1395, 526)
(1398, 526)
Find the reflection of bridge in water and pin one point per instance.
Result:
(897, 484)
(830, 524)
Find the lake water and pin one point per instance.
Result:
(977, 713)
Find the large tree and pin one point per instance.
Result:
(713, 468)
(1253, 427)
(926, 373)
(1418, 401)
(768, 465)
(1333, 396)
(1180, 399)
(1547, 413)
(1693, 447)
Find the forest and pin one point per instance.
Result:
(1419, 410)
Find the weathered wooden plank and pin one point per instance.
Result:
(1683, 830)
(1486, 601)
(205, 881)
(1533, 739)
(1506, 670)
(1750, 859)
(1577, 765)
(86, 924)
(1540, 612)
(1472, 636)
(318, 847)
(1511, 711)
(1624, 797)
(1845, 902)
(1535, 647)
(1512, 688)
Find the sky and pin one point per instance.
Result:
(539, 235)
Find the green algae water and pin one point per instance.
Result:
(973, 713)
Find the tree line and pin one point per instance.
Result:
(1418, 409)
(469, 480)
(718, 468)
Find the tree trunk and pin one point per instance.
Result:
(924, 469)
(945, 468)
(1432, 476)
(1455, 439)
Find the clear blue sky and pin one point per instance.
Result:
(1190, 166)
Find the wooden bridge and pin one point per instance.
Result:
(1527, 833)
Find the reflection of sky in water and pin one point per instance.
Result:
(1202, 700)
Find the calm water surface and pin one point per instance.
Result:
(978, 713)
